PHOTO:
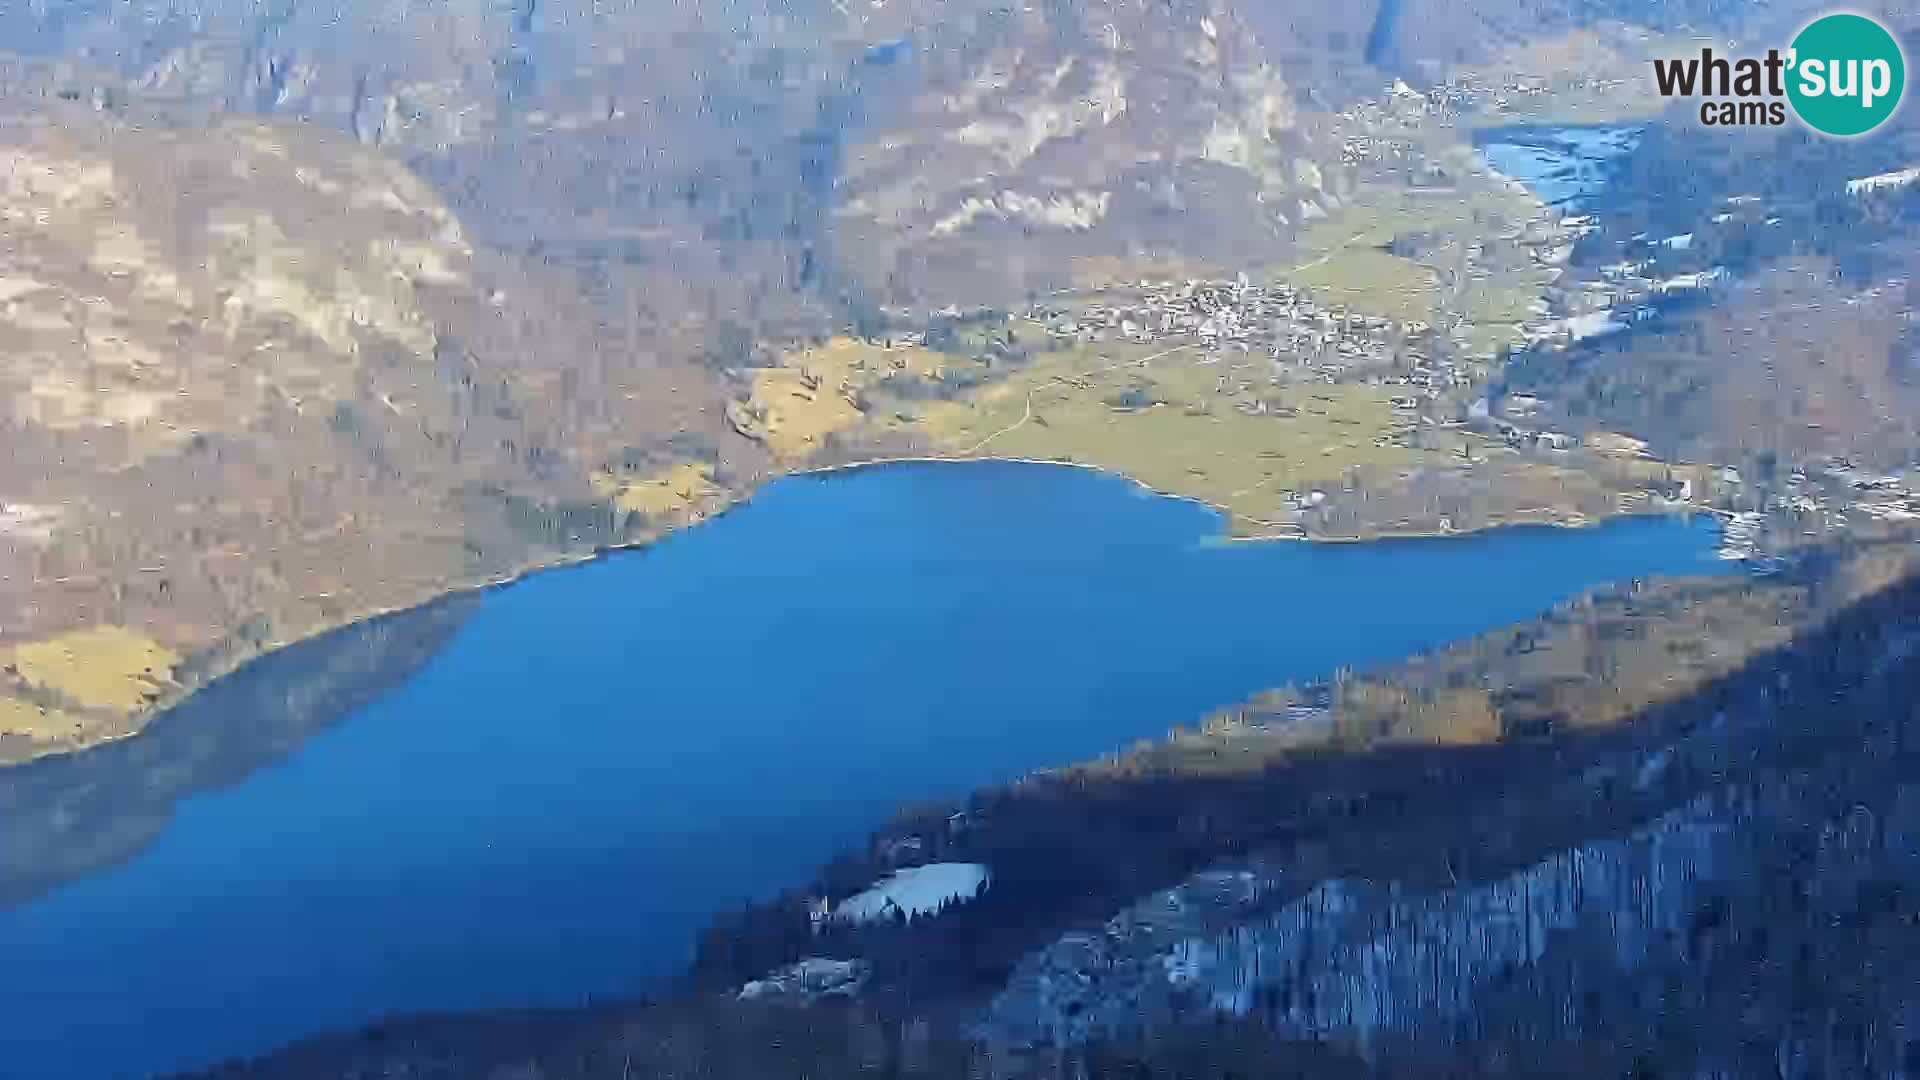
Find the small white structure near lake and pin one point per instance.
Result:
(809, 979)
(1898, 179)
(919, 890)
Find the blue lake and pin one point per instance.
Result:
(1565, 166)
(605, 756)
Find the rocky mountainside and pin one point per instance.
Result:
(1558, 951)
(1062, 146)
(281, 354)
(1068, 144)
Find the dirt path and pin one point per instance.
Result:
(1322, 260)
(1015, 426)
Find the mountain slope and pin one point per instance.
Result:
(1100, 137)
(190, 309)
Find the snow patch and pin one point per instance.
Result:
(809, 979)
(1593, 324)
(1699, 279)
(920, 890)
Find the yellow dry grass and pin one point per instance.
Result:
(1466, 265)
(1370, 712)
(102, 667)
(1216, 430)
(685, 487)
(1373, 281)
(36, 722)
(795, 406)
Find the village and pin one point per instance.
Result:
(1811, 503)
(1322, 342)
(1305, 340)
(1440, 376)
(1311, 342)
(1383, 127)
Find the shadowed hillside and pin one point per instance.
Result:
(1757, 827)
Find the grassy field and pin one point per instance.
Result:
(678, 491)
(1361, 276)
(1178, 424)
(813, 393)
(36, 722)
(1458, 266)
(1213, 427)
(102, 667)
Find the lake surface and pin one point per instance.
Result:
(1565, 165)
(603, 757)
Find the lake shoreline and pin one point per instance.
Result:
(730, 713)
(1230, 523)
(141, 719)
(1228, 517)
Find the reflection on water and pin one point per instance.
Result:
(605, 757)
(67, 816)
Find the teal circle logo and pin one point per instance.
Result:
(1846, 75)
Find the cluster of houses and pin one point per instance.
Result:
(1247, 317)
(1837, 485)
(1817, 499)
(1889, 497)
(1465, 93)
(1372, 121)
(1377, 127)
(1812, 501)
(1370, 147)
(1740, 536)
(1508, 418)
(1468, 92)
